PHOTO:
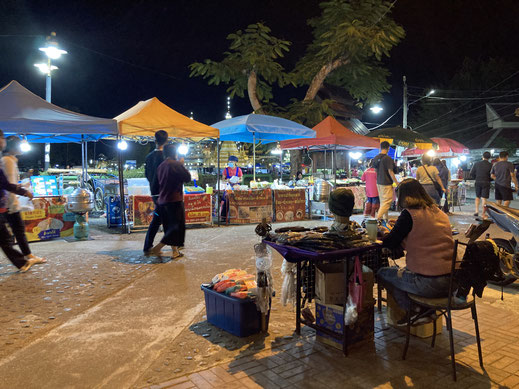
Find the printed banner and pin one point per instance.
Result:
(198, 208)
(289, 204)
(249, 206)
(48, 220)
(142, 209)
(360, 195)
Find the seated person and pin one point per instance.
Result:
(340, 203)
(424, 231)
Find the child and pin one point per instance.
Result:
(341, 202)
(373, 202)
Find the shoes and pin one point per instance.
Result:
(154, 253)
(37, 259)
(28, 265)
(476, 214)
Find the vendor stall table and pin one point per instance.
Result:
(306, 262)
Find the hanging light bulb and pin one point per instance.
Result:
(122, 145)
(25, 146)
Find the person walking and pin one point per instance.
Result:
(13, 215)
(481, 173)
(503, 173)
(445, 177)
(372, 202)
(429, 177)
(6, 239)
(385, 168)
(171, 175)
(153, 160)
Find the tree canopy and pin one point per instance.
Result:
(350, 39)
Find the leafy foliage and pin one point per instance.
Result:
(252, 50)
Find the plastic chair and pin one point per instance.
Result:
(444, 306)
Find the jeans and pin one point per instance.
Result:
(400, 281)
(153, 228)
(174, 219)
(6, 243)
(18, 228)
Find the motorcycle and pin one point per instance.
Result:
(507, 219)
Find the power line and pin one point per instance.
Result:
(456, 108)
(385, 121)
(466, 98)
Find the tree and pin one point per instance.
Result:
(250, 64)
(350, 39)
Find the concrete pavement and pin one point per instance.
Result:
(123, 320)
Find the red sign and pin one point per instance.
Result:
(142, 210)
(289, 204)
(250, 206)
(198, 208)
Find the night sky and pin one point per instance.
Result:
(124, 52)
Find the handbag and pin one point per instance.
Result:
(356, 285)
(435, 183)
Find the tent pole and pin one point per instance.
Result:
(324, 164)
(281, 167)
(254, 156)
(121, 188)
(334, 164)
(218, 179)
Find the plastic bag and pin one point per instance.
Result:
(25, 204)
(356, 286)
(288, 290)
(350, 313)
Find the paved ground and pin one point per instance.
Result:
(101, 315)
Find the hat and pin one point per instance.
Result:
(233, 158)
(341, 202)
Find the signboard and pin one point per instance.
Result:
(142, 208)
(198, 208)
(289, 204)
(44, 186)
(249, 206)
(48, 220)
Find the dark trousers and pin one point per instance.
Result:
(174, 220)
(6, 243)
(153, 228)
(18, 229)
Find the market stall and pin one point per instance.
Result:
(25, 114)
(141, 122)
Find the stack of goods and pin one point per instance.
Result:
(235, 283)
(319, 239)
(193, 189)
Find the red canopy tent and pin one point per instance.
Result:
(331, 135)
(446, 148)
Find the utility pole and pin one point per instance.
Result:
(404, 105)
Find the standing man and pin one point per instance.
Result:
(385, 168)
(171, 176)
(153, 160)
(6, 239)
(481, 173)
(503, 173)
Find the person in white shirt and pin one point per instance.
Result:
(13, 216)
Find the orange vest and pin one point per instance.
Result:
(429, 246)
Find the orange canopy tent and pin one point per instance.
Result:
(149, 116)
(330, 134)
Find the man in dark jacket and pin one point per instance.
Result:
(6, 239)
(171, 176)
(153, 160)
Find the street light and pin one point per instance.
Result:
(376, 109)
(52, 51)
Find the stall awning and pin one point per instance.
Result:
(446, 148)
(331, 134)
(147, 117)
(24, 113)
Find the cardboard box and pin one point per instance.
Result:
(395, 313)
(330, 317)
(329, 283)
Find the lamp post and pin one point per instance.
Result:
(52, 51)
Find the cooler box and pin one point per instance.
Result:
(236, 316)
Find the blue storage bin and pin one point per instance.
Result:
(236, 316)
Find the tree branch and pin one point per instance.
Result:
(252, 83)
(318, 80)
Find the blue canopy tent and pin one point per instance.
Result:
(267, 129)
(26, 114)
(373, 153)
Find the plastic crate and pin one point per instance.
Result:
(236, 316)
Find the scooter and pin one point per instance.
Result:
(507, 219)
